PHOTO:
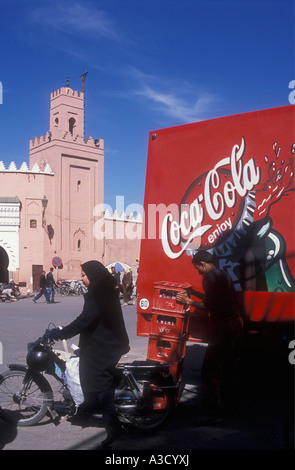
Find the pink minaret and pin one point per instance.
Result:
(78, 183)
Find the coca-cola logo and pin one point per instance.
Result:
(212, 205)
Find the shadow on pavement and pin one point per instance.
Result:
(265, 389)
(8, 433)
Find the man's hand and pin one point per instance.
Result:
(182, 297)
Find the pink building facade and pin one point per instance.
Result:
(54, 207)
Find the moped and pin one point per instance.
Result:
(145, 393)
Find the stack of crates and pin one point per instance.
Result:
(169, 327)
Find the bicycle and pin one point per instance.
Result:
(145, 393)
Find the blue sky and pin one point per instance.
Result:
(151, 64)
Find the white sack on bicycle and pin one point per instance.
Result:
(73, 380)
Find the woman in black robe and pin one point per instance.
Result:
(103, 340)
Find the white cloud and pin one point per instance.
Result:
(186, 110)
(76, 18)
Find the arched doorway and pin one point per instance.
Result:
(4, 261)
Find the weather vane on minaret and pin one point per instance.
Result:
(83, 76)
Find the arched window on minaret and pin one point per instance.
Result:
(72, 124)
(79, 240)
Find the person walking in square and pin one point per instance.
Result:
(127, 286)
(50, 284)
(42, 285)
(116, 277)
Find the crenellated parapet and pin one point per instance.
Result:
(12, 168)
(66, 136)
(67, 91)
(41, 140)
(97, 143)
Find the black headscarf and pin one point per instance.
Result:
(97, 274)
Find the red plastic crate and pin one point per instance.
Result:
(168, 325)
(165, 296)
(166, 349)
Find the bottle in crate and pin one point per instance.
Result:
(165, 297)
(166, 349)
(168, 325)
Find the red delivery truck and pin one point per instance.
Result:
(225, 185)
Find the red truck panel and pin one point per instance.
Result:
(225, 185)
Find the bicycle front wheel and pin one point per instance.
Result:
(23, 401)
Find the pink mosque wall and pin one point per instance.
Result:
(69, 171)
(34, 245)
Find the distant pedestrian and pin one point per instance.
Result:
(127, 286)
(42, 285)
(117, 278)
(134, 277)
(50, 284)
